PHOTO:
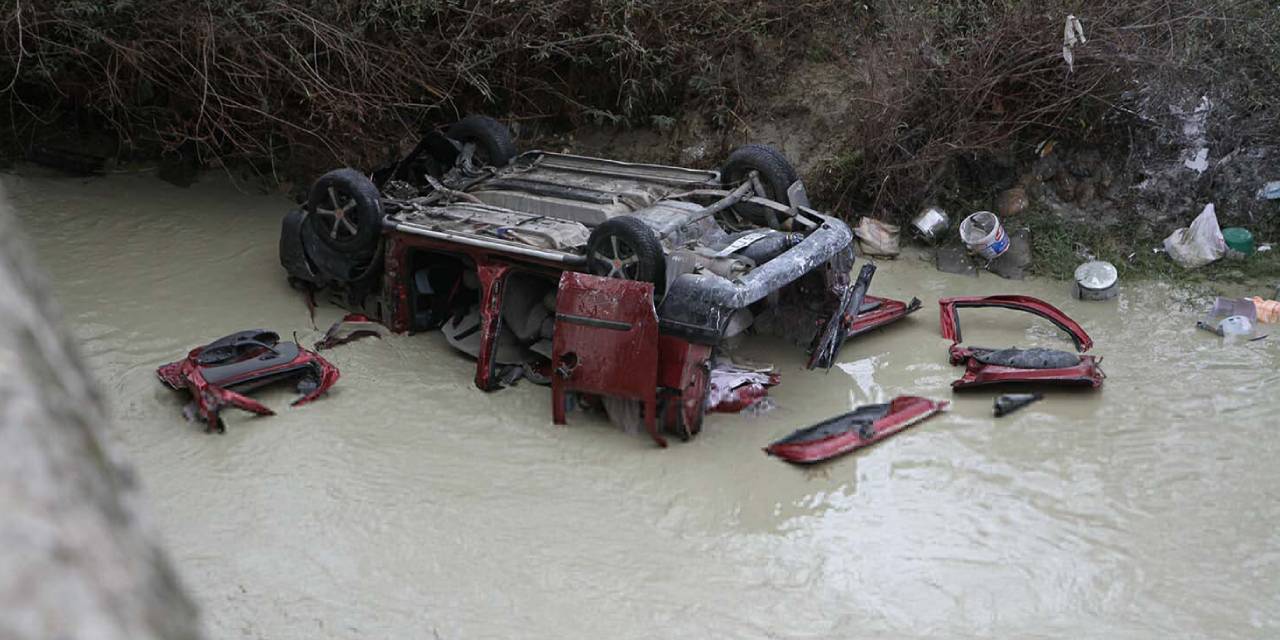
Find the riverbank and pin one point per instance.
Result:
(1161, 108)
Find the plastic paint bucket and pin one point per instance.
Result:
(982, 233)
(1239, 240)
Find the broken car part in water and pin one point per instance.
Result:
(616, 279)
(836, 329)
(1010, 402)
(863, 426)
(350, 328)
(985, 366)
(219, 373)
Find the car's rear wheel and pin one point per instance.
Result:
(772, 169)
(346, 212)
(625, 247)
(494, 146)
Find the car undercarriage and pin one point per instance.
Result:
(464, 236)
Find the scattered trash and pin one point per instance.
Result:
(1267, 311)
(863, 426)
(215, 373)
(1199, 160)
(1231, 326)
(1270, 191)
(1072, 35)
(1264, 247)
(1010, 402)
(1223, 307)
(1011, 202)
(1095, 280)
(1235, 326)
(982, 233)
(876, 238)
(1239, 242)
(931, 223)
(1237, 316)
(993, 366)
(1199, 244)
(350, 328)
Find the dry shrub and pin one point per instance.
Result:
(976, 79)
(265, 80)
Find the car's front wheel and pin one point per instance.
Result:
(345, 211)
(625, 247)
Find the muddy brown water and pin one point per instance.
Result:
(408, 503)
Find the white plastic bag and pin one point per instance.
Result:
(1072, 34)
(877, 238)
(1199, 244)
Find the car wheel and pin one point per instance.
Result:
(625, 247)
(774, 171)
(346, 212)
(494, 146)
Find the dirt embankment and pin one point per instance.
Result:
(1164, 106)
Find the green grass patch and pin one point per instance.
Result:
(1058, 246)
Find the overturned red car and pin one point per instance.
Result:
(984, 366)
(218, 374)
(601, 277)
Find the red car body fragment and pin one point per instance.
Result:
(844, 433)
(977, 373)
(210, 398)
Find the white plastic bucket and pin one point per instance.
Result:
(982, 233)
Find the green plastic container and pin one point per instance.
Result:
(1239, 240)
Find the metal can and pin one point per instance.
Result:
(931, 223)
(1096, 280)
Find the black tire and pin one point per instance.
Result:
(625, 247)
(775, 172)
(346, 212)
(494, 146)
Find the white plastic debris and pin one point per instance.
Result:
(876, 238)
(1235, 326)
(1270, 191)
(1199, 160)
(1072, 35)
(1199, 244)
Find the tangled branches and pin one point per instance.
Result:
(977, 78)
(262, 79)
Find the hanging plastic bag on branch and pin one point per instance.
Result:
(1072, 35)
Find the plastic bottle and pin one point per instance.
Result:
(1268, 310)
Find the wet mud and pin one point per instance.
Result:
(408, 503)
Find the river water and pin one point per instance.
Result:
(407, 503)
